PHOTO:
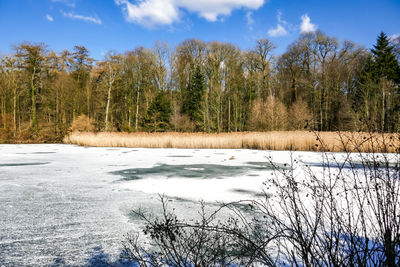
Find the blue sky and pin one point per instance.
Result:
(121, 25)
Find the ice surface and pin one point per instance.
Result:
(70, 205)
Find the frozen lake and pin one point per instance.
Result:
(70, 205)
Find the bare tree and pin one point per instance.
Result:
(112, 65)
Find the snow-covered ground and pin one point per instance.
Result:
(68, 205)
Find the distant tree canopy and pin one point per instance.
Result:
(212, 87)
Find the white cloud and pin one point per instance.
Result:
(211, 9)
(306, 25)
(250, 20)
(165, 12)
(70, 3)
(393, 37)
(72, 15)
(279, 17)
(49, 18)
(278, 31)
(150, 12)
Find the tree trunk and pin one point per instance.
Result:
(33, 99)
(3, 111)
(15, 110)
(137, 110)
(383, 111)
(110, 84)
(229, 114)
(88, 100)
(108, 104)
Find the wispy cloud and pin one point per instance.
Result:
(279, 17)
(306, 25)
(250, 20)
(72, 15)
(280, 29)
(70, 3)
(49, 18)
(151, 13)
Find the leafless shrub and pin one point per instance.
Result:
(299, 115)
(181, 123)
(345, 215)
(343, 212)
(206, 242)
(270, 115)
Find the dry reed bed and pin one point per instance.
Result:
(278, 140)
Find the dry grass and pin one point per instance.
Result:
(283, 140)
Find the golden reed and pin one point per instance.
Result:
(276, 140)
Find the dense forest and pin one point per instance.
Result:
(318, 83)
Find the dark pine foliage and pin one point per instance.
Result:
(386, 64)
(159, 113)
(377, 98)
(193, 105)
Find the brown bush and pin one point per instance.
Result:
(82, 124)
(181, 123)
(270, 115)
(6, 122)
(299, 115)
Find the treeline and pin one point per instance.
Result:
(212, 87)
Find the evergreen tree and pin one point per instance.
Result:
(159, 113)
(366, 97)
(386, 64)
(193, 105)
(388, 72)
(377, 94)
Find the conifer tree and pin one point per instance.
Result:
(159, 113)
(386, 65)
(366, 96)
(377, 94)
(193, 105)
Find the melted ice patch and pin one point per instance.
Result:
(204, 171)
(23, 164)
